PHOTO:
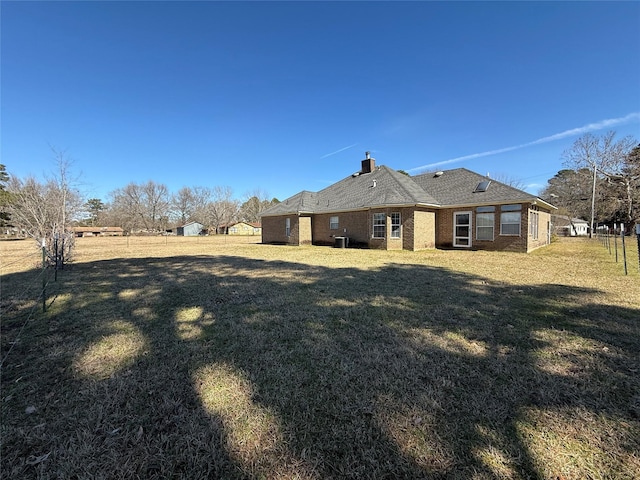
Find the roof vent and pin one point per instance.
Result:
(438, 174)
(375, 183)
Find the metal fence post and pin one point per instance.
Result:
(624, 250)
(57, 258)
(638, 238)
(44, 279)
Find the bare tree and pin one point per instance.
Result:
(604, 156)
(628, 185)
(191, 203)
(255, 202)
(509, 180)
(141, 207)
(156, 198)
(223, 209)
(45, 210)
(182, 205)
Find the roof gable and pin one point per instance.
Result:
(385, 187)
(381, 187)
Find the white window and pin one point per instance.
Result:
(533, 224)
(395, 225)
(510, 218)
(485, 222)
(379, 225)
(333, 223)
(287, 227)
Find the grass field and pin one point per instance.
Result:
(210, 358)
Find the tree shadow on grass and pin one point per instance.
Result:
(230, 367)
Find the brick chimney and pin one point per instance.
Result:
(368, 164)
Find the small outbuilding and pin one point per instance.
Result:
(191, 229)
(565, 226)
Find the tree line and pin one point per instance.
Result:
(151, 207)
(600, 182)
(44, 209)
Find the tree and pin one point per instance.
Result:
(570, 191)
(141, 207)
(45, 210)
(5, 197)
(509, 180)
(95, 207)
(604, 156)
(630, 180)
(223, 209)
(182, 205)
(255, 203)
(190, 204)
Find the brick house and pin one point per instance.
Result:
(378, 207)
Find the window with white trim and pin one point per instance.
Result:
(287, 227)
(334, 223)
(379, 225)
(485, 223)
(395, 225)
(533, 224)
(510, 219)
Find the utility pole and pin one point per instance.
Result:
(593, 198)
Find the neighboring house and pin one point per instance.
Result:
(244, 228)
(98, 231)
(379, 207)
(191, 229)
(565, 226)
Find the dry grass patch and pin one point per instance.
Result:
(111, 353)
(575, 443)
(198, 358)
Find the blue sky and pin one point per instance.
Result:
(288, 96)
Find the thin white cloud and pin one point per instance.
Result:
(591, 127)
(338, 151)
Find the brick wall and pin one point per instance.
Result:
(513, 243)
(356, 224)
(421, 229)
(304, 230)
(273, 230)
(444, 230)
(423, 224)
(544, 225)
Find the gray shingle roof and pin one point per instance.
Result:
(457, 187)
(385, 187)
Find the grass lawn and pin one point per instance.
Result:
(214, 358)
